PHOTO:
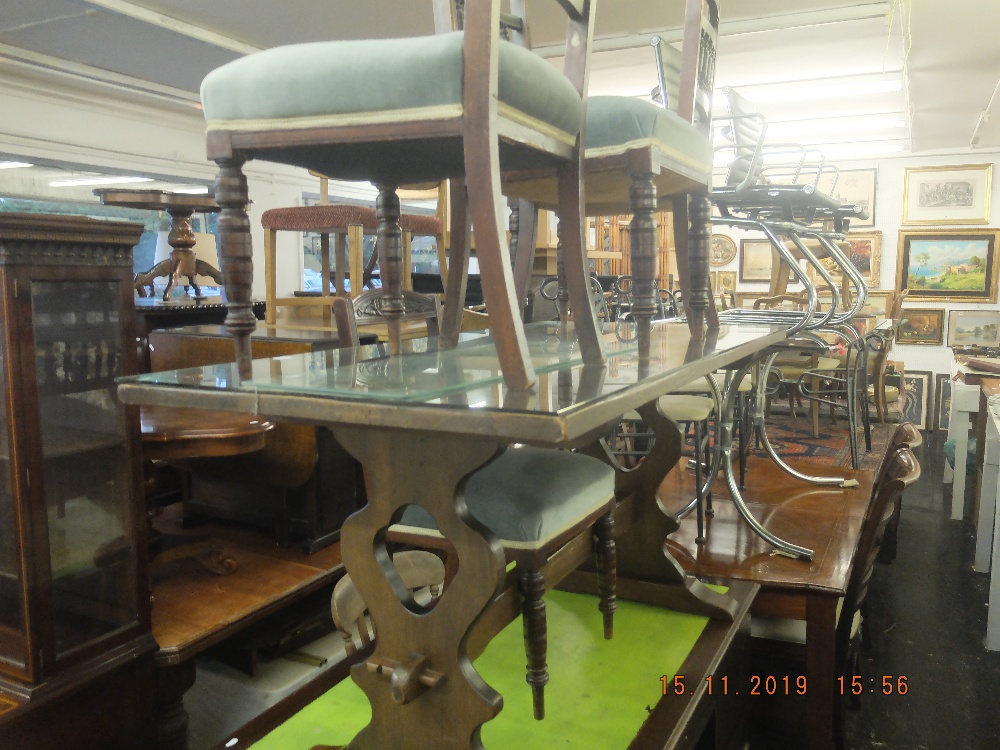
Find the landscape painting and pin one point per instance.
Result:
(979, 328)
(948, 265)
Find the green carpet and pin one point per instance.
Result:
(597, 688)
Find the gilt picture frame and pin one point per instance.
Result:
(947, 194)
(866, 255)
(955, 265)
(755, 260)
(924, 326)
(722, 250)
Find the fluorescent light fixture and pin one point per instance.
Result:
(793, 129)
(14, 164)
(193, 190)
(819, 89)
(98, 180)
(831, 152)
(860, 150)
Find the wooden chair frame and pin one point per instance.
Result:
(487, 142)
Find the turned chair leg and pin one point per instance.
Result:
(607, 571)
(532, 584)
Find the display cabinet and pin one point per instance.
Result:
(74, 599)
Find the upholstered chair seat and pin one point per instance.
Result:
(534, 501)
(615, 126)
(382, 81)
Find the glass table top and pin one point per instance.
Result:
(363, 386)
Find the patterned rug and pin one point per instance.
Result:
(792, 439)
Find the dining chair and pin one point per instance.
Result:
(641, 158)
(787, 637)
(466, 106)
(906, 435)
(535, 501)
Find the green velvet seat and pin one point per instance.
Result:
(617, 125)
(371, 82)
(535, 501)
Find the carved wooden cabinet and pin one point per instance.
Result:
(74, 598)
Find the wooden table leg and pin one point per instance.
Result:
(172, 681)
(420, 679)
(821, 625)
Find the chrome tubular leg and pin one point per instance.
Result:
(725, 452)
(766, 442)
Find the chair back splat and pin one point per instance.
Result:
(465, 105)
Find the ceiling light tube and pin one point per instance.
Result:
(99, 180)
(797, 91)
(14, 164)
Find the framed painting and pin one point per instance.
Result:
(855, 186)
(755, 260)
(866, 255)
(877, 302)
(922, 326)
(974, 328)
(942, 401)
(947, 195)
(722, 250)
(726, 282)
(957, 265)
(917, 398)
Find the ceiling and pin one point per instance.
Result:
(948, 64)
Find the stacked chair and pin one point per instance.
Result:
(801, 224)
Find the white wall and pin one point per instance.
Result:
(888, 219)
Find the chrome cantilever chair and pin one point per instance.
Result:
(465, 105)
(535, 501)
(782, 213)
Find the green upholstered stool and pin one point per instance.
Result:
(536, 500)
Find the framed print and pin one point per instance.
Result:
(755, 260)
(722, 250)
(942, 401)
(916, 398)
(947, 195)
(856, 186)
(923, 326)
(974, 328)
(726, 282)
(957, 265)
